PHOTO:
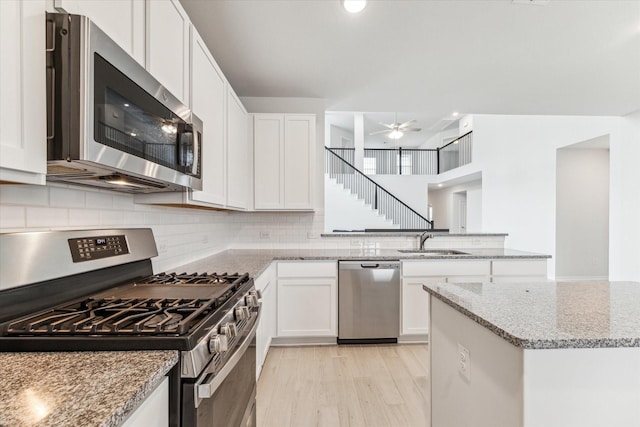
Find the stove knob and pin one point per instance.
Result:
(229, 329)
(215, 344)
(240, 314)
(251, 300)
(257, 293)
(247, 311)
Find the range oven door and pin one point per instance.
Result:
(228, 398)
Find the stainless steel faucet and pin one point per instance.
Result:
(423, 238)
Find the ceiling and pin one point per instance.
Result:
(426, 59)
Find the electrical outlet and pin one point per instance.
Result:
(475, 241)
(265, 235)
(205, 239)
(464, 362)
(162, 247)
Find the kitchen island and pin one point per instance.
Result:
(535, 354)
(61, 389)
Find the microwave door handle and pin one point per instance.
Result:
(197, 144)
(183, 158)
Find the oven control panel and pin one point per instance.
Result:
(90, 248)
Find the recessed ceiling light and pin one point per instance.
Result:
(440, 185)
(455, 114)
(354, 6)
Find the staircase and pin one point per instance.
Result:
(376, 197)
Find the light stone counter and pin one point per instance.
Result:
(254, 261)
(589, 314)
(77, 388)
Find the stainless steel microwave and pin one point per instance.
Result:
(110, 124)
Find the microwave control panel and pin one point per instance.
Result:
(91, 248)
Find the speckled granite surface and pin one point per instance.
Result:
(254, 261)
(407, 233)
(77, 388)
(547, 315)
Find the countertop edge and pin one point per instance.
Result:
(123, 411)
(536, 344)
(408, 233)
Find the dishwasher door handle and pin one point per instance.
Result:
(370, 265)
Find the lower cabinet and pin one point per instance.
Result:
(153, 411)
(415, 305)
(514, 270)
(266, 283)
(307, 299)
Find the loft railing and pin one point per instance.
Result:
(373, 194)
(456, 153)
(401, 161)
(412, 161)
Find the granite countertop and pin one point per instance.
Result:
(255, 261)
(77, 388)
(587, 314)
(435, 233)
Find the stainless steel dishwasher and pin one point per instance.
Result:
(368, 302)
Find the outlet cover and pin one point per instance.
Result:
(265, 235)
(464, 362)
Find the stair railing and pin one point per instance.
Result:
(373, 194)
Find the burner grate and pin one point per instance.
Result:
(117, 316)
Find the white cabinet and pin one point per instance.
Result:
(515, 270)
(239, 156)
(153, 411)
(307, 299)
(22, 92)
(284, 161)
(266, 283)
(415, 301)
(208, 93)
(123, 21)
(167, 45)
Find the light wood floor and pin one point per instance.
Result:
(381, 385)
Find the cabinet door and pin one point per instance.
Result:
(208, 88)
(22, 92)
(269, 173)
(123, 21)
(167, 46)
(239, 159)
(415, 305)
(299, 137)
(154, 410)
(307, 307)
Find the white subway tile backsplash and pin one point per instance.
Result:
(47, 218)
(28, 195)
(12, 217)
(108, 217)
(66, 198)
(99, 200)
(87, 218)
(124, 201)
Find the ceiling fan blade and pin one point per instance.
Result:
(411, 130)
(405, 124)
(390, 126)
(380, 131)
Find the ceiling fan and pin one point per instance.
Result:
(396, 129)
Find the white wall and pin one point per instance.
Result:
(411, 189)
(339, 137)
(517, 156)
(624, 207)
(582, 213)
(442, 202)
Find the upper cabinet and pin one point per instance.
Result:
(239, 154)
(208, 95)
(23, 132)
(167, 45)
(284, 164)
(124, 22)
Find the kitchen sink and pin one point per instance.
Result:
(432, 252)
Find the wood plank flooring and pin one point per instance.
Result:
(344, 386)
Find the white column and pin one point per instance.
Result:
(358, 140)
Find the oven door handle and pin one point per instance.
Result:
(206, 390)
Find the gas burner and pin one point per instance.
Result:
(194, 278)
(117, 316)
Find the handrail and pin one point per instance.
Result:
(392, 207)
(454, 141)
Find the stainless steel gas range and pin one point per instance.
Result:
(94, 290)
